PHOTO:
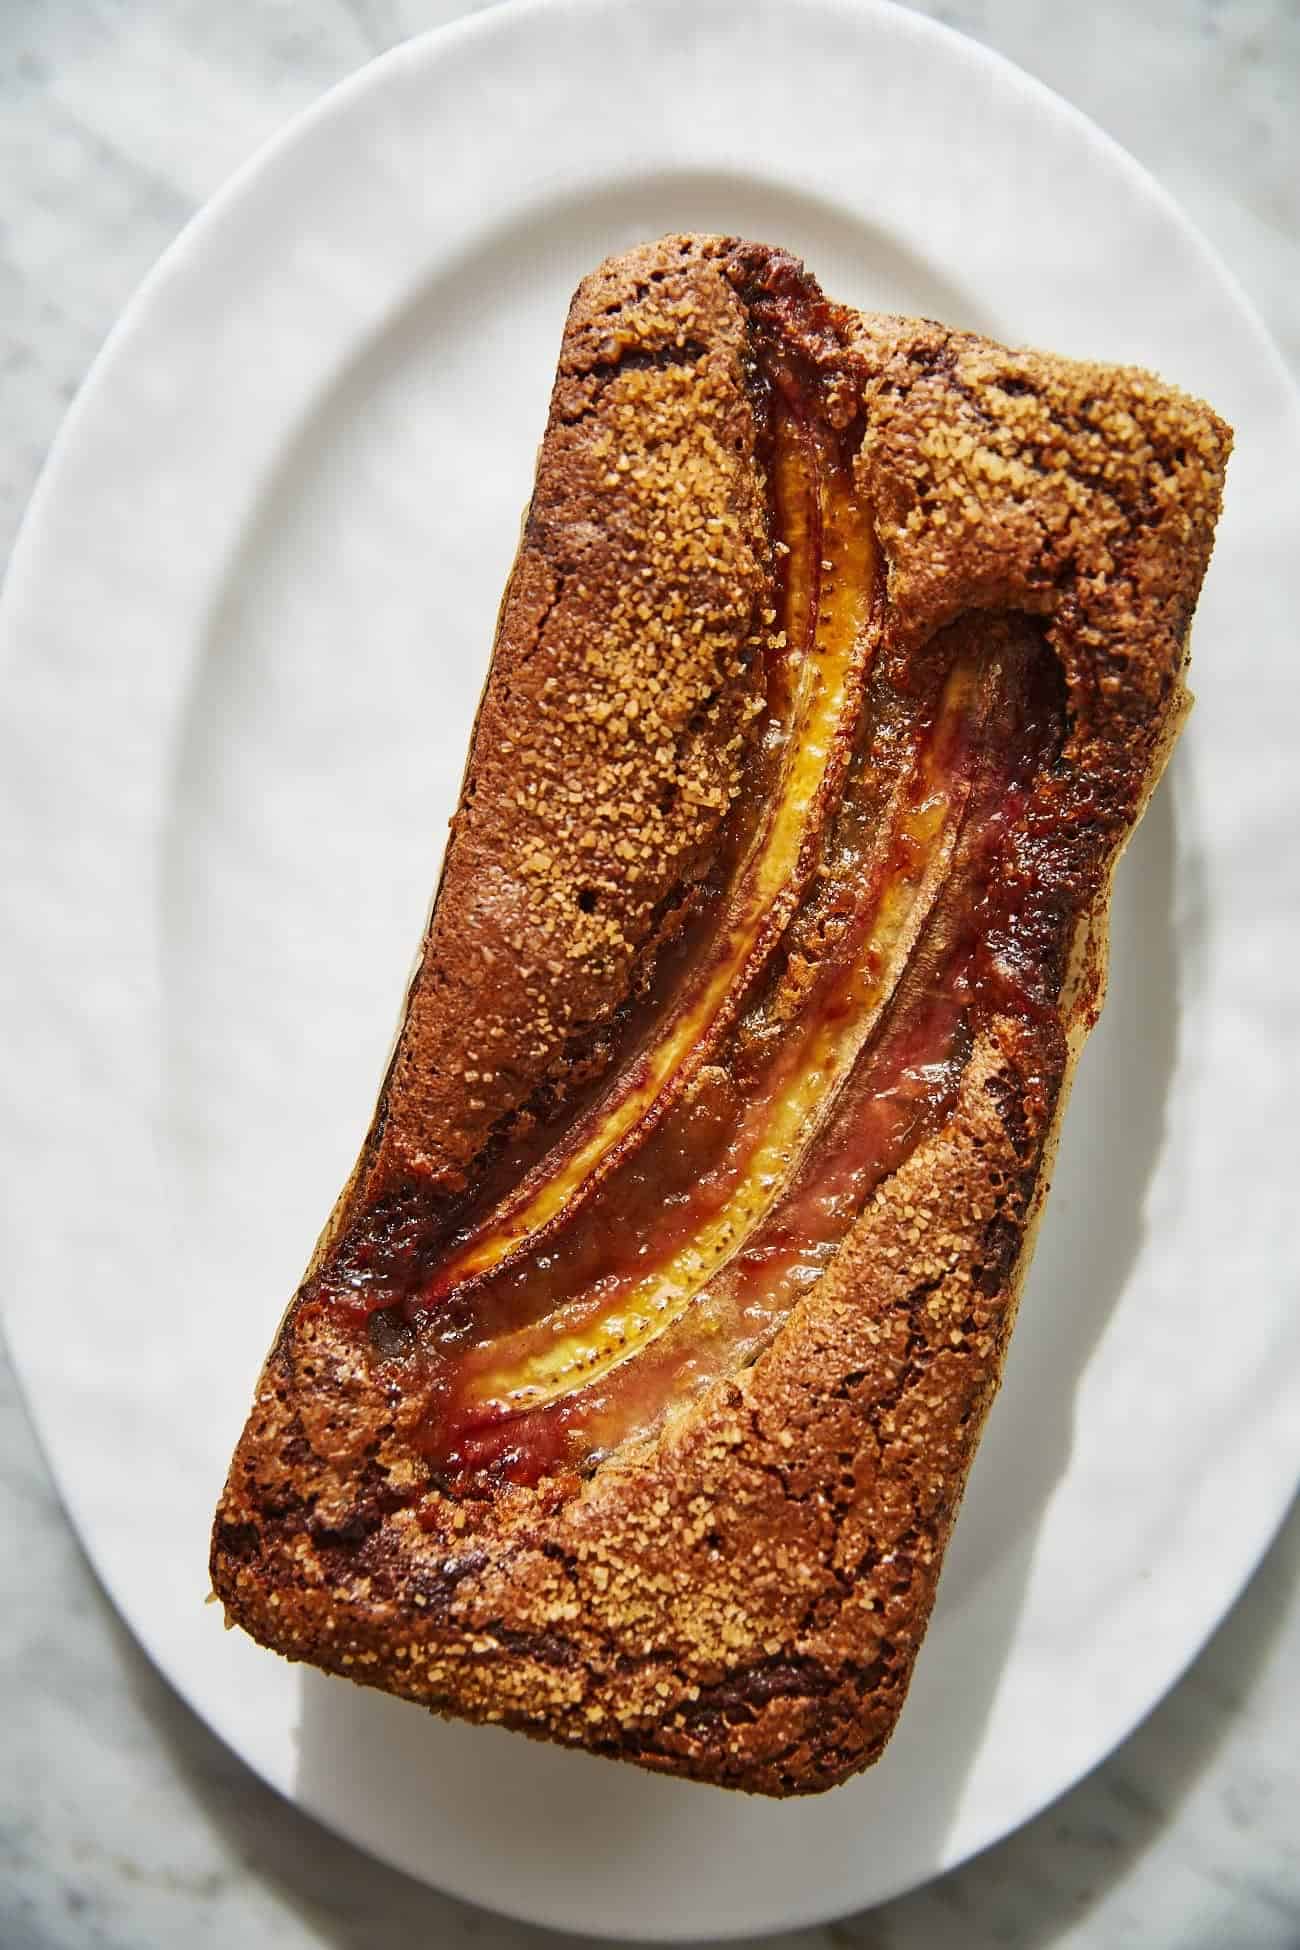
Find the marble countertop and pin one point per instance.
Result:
(123, 1822)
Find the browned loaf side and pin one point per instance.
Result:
(736, 1591)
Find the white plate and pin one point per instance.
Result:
(244, 633)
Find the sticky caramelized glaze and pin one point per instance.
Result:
(682, 1265)
(815, 1033)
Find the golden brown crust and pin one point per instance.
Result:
(611, 735)
(740, 1598)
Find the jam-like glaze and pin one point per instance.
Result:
(804, 1039)
(682, 1267)
(582, 1336)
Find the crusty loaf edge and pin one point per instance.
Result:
(741, 1602)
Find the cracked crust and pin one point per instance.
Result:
(740, 1598)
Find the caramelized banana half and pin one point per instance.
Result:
(829, 588)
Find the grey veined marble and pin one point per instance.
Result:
(123, 1823)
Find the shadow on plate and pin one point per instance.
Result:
(1095, 1222)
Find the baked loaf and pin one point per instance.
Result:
(631, 1391)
